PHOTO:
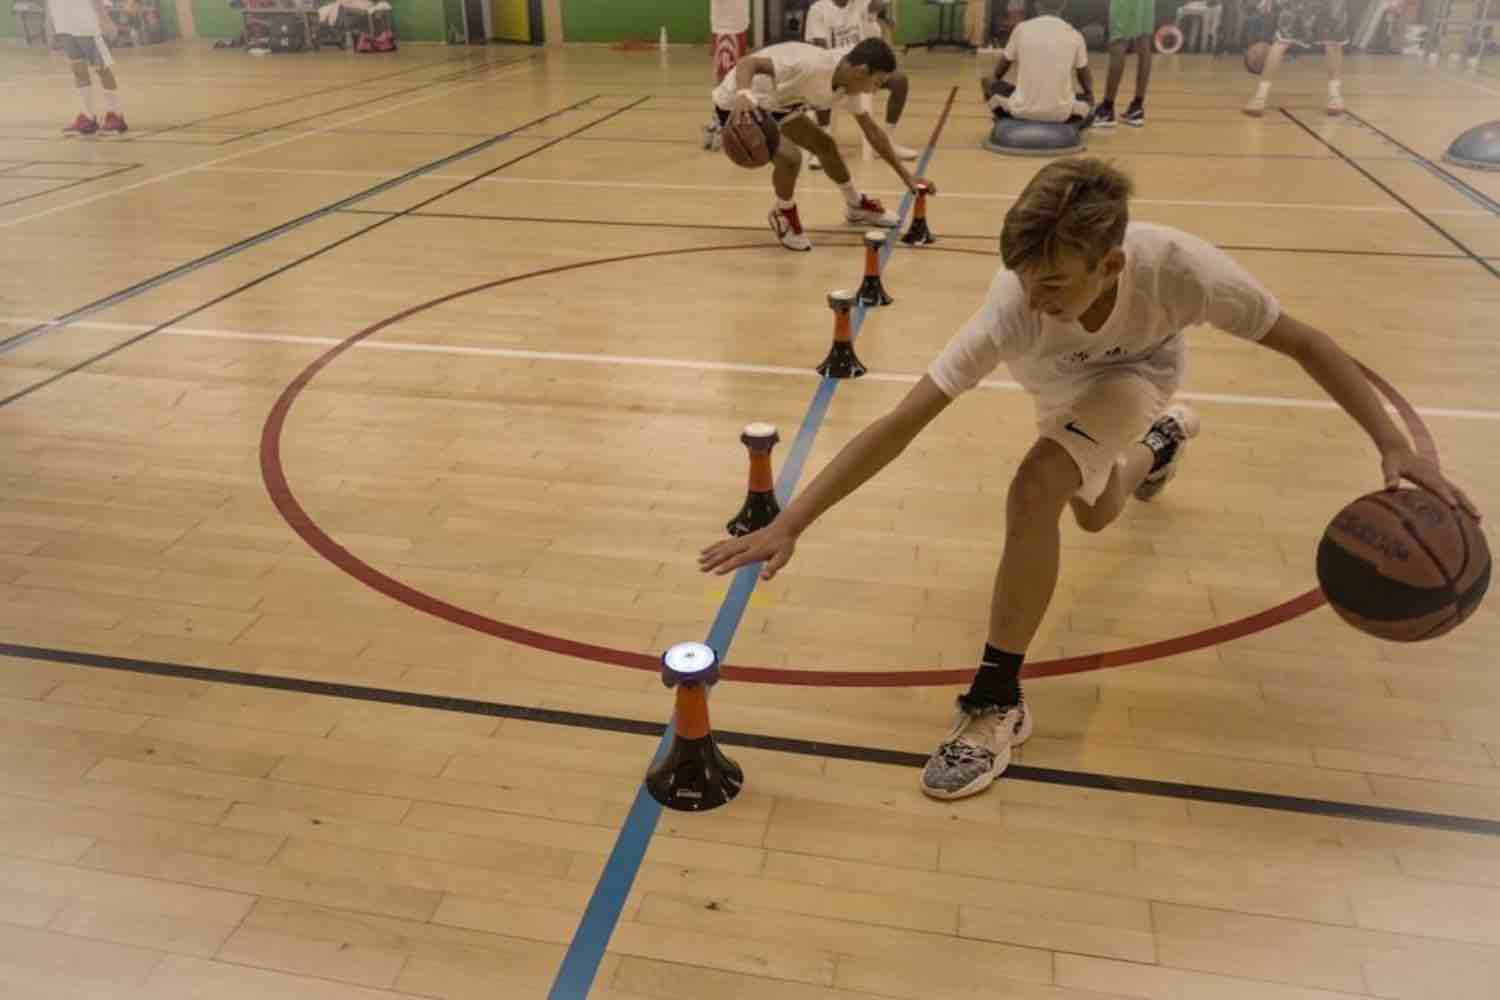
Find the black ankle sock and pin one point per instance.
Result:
(998, 681)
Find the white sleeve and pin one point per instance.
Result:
(998, 331)
(1012, 44)
(1212, 288)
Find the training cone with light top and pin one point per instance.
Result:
(693, 774)
(842, 361)
(760, 507)
(917, 234)
(871, 292)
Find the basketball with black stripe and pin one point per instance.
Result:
(1403, 565)
(752, 142)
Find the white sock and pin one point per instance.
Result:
(86, 95)
(851, 196)
(1262, 89)
(112, 101)
(1335, 88)
(785, 206)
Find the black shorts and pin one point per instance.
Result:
(776, 116)
(89, 49)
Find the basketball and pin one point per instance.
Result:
(1403, 565)
(751, 143)
(1255, 57)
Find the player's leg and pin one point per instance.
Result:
(1257, 105)
(991, 716)
(1146, 465)
(825, 122)
(1104, 114)
(998, 95)
(1136, 113)
(86, 122)
(785, 166)
(1335, 55)
(1073, 462)
(858, 208)
(114, 118)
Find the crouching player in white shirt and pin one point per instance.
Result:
(1089, 312)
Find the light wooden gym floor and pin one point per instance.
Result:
(551, 452)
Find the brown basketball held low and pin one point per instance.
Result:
(1403, 565)
(752, 142)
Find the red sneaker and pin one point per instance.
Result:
(870, 212)
(114, 123)
(788, 228)
(82, 125)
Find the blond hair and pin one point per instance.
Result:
(1074, 206)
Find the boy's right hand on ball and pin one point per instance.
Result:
(772, 545)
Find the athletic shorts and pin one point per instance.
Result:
(1113, 412)
(776, 116)
(1311, 23)
(1131, 18)
(92, 50)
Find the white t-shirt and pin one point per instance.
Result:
(74, 17)
(1171, 281)
(837, 27)
(804, 79)
(1046, 51)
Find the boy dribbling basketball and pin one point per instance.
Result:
(806, 77)
(1089, 313)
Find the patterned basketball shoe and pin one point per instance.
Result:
(1167, 440)
(977, 750)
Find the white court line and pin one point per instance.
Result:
(343, 123)
(651, 186)
(638, 361)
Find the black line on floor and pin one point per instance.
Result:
(246, 286)
(1446, 176)
(855, 231)
(115, 298)
(441, 66)
(1481, 261)
(72, 183)
(779, 744)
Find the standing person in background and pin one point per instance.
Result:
(729, 20)
(840, 25)
(1129, 20)
(81, 27)
(1306, 24)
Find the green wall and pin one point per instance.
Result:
(420, 20)
(215, 19)
(613, 20)
(917, 21)
(416, 20)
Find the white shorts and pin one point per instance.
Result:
(1113, 411)
(89, 49)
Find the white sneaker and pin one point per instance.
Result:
(1167, 439)
(903, 152)
(1256, 106)
(788, 228)
(1335, 104)
(870, 212)
(713, 136)
(976, 752)
(813, 163)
